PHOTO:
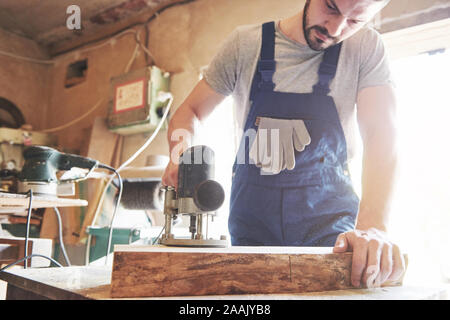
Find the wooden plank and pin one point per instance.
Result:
(93, 282)
(104, 146)
(19, 252)
(95, 189)
(17, 293)
(116, 159)
(102, 142)
(8, 253)
(153, 271)
(14, 201)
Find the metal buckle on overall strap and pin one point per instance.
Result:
(326, 74)
(266, 68)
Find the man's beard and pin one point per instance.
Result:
(317, 44)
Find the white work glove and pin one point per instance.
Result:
(273, 147)
(301, 135)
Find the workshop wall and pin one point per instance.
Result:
(183, 39)
(69, 103)
(24, 83)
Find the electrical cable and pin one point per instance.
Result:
(154, 15)
(126, 163)
(133, 57)
(132, 158)
(127, 69)
(116, 35)
(61, 240)
(27, 232)
(12, 55)
(119, 196)
(61, 127)
(107, 41)
(49, 62)
(147, 34)
(99, 102)
(28, 257)
(144, 47)
(152, 137)
(159, 235)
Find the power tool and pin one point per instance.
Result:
(197, 196)
(41, 164)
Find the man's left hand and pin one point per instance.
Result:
(376, 260)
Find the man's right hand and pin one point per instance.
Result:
(170, 176)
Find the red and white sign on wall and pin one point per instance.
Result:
(129, 96)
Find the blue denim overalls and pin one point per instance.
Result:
(313, 203)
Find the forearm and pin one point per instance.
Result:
(378, 182)
(377, 121)
(197, 106)
(181, 129)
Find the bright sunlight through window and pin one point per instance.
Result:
(421, 213)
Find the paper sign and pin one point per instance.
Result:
(129, 96)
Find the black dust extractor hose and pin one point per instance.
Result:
(142, 194)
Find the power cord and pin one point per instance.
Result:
(126, 163)
(119, 196)
(159, 235)
(61, 239)
(28, 257)
(27, 233)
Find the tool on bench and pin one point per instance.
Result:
(39, 172)
(197, 196)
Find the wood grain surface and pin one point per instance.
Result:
(93, 282)
(155, 273)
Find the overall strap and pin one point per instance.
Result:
(266, 63)
(327, 69)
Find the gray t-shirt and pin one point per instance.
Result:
(363, 63)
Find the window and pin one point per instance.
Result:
(421, 210)
(76, 73)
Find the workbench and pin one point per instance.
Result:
(94, 283)
(15, 201)
(13, 248)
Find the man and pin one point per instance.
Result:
(298, 85)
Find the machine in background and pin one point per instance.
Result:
(12, 144)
